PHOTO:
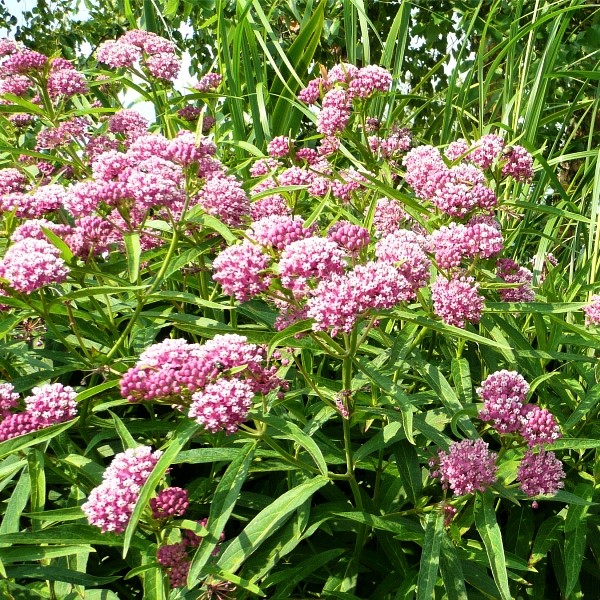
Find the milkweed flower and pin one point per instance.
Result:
(30, 264)
(170, 502)
(457, 301)
(503, 394)
(540, 473)
(111, 504)
(592, 311)
(468, 466)
(242, 270)
(538, 426)
(222, 405)
(51, 404)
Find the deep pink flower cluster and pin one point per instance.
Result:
(308, 259)
(468, 466)
(209, 82)
(519, 164)
(280, 146)
(339, 300)
(457, 300)
(511, 272)
(155, 53)
(335, 114)
(111, 504)
(222, 196)
(22, 60)
(540, 473)
(198, 375)
(64, 80)
(242, 270)
(357, 83)
(278, 231)
(11, 181)
(389, 215)
(490, 150)
(175, 559)
(48, 404)
(31, 264)
(64, 133)
(456, 241)
(455, 191)
(503, 394)
(538, 426)
(170, 502)
(406, 251)
(18, 85)
(393, 145)
(350, 237)
(128, 123)
(592, 311)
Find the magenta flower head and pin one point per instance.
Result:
(457, 301)
(592, 311)
(170, 502)
(467, 467)
(242, 270)
(540, 473)
(52, 403)
(222, 405)
(503, 394)
(31, 264)
(110, 505)
(9, 400)
(538, 426)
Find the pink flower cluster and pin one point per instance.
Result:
(511, 272)
(540, 473)
(155, 53)
(111, 504)
(503, 394)
(199, 376)
(31, 264)
(397, 142)
(489, 151)
(47, 405)
(468, 466)
(242, 270)
(350, 237)
(457, 300)
(592, 311)
(278, 231)
(342, 85)
(455, 242)
(170, 502)
(209, 82)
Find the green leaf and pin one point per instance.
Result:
(402, 527)
(430, 557)
(133, 250)
(575, 537)
(266, 523)
(27, 553)
(487, 526)
(548, 534)
(16, 505)
(222, 505)
(181, 436)
(29, 439)
(55, 573)
(574, 444)
(587, 405)
(126, 437)
(291, 431)
(452, 573)
(407, 463)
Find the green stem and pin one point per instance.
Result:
(142, 298)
